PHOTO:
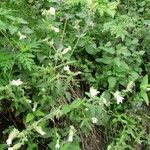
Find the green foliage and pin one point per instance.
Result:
(72, 69)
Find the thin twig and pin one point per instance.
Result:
(63, 34)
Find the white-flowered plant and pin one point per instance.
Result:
(71, 133)
(21, 36)
(57, 146)
(51, 11)
(66, 68)
(39, 130)
(34, 106)
(13, 134)
(16, 82)
(93, 92)
(94, 120)
(55, 29)
(118, 97)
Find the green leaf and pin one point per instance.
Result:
(91, 48)
(73, 146)
(144, 83)
(112, 82)
(39, 113)
(76, 103)
(107, 60)
(65, 109)
(145, 97)
(13, 29)
(29, 117)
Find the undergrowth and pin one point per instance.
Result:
(74, 74)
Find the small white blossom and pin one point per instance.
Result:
(93, 92)
(51, 11)
(71, 133)
(66, 50)
(9, 141)
(10, 148)
(118, 97)
(66, 68)
(13, 134)
(39, 130)
(21, 36)
(94, 120)
(16, 82)
(70, 138)
(57, 146)
(148, 89)
(55, 29)
(34, 107)
(28, 101)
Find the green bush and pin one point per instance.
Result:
(74, 74)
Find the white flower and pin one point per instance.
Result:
(39, 130)
(55, 29)
(16, 82)
(34, 107)
(71, 133)
(29, 101)
(13, 134)
(148, 89)
(94, 120)
(57, 146)
(70, 138)
(66, 68)
(118, 97)
(51, 11)
(66, 50)
(9, 141)
(93, 92)
(21, 36)
(10, 148)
